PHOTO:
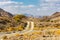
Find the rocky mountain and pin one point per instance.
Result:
(8, 20)
(53, 16)
(4, 13)
(56, 14)
(5, 19)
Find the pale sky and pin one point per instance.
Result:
(33, 7)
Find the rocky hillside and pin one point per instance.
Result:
(5, 19)
(53, 16)
(8, 20)
(56, 14)
(4, 13)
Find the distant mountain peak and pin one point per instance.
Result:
(5, 13)
(1, 9)
(56, 14)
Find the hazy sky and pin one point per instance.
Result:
(34, 7)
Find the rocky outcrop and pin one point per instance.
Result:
(56, 14)
(4, 13)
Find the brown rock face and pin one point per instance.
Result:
(57, 14)
(5, 14)
(5, 18)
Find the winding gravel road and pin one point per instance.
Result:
(28, 29)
